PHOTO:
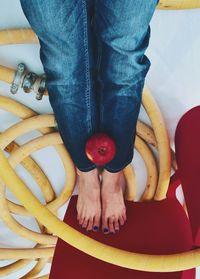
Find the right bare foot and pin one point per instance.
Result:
(88, 203)
(113, 205)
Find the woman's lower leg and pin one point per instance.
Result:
(63, 29)
(122, 32)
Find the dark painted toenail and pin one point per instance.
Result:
(95, 228)
(105, 230)
(89, 230)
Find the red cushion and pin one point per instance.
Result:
(187, 145)
(156, 227)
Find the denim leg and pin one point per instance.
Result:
(64, 33)
(123, 33)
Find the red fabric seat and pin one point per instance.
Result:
(156, 227)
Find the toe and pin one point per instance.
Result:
(124, 217)
(121, 220)
(81, 219)
(90, 224)
(116, 224)
(105, 228)
(124, 214)
(85, 222)
(111, 224)
(96, 223)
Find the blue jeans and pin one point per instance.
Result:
(93, 56)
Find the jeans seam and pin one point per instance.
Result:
(99, 58)
(86, 56)
(98, 73)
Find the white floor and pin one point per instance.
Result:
(173, 79)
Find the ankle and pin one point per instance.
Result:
(114, 176)
(87, 173)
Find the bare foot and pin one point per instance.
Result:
(88, 204)
(113, 206)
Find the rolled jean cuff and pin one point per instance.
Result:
(117, 169)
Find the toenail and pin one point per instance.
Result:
(105, 230)
(95, 228)
(89, 230)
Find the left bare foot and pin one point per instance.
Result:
(88, 204)
(113, 206)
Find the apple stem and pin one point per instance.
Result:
(102, 150)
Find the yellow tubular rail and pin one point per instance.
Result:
(7, 74)
(18, 36)
(178, 4)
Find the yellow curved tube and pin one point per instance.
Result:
(42, 180)
(21, 111)
(27, 253)
(147, 134)
(160, 130)
(34, 169)
(151, 166)
(130, 178)
(19, 229)
(14, 267)
(7, 74)
(152, 173)
(36, 269)
(37, 122)
(40, 177)
(18, 36)
(24, 112)
(178, 4)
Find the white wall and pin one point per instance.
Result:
(173, 79)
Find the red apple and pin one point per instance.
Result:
(100, 148)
